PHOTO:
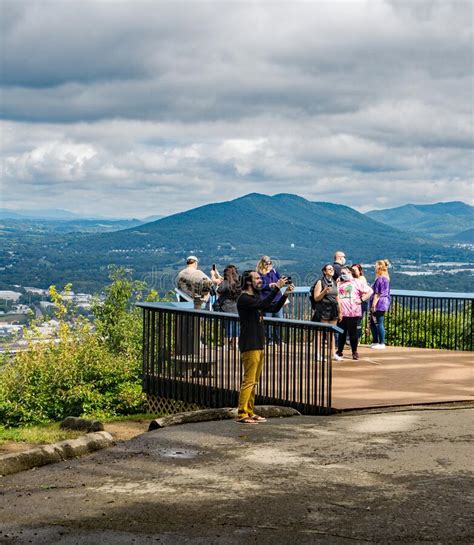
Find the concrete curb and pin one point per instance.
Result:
(57, 452)
(205, 415)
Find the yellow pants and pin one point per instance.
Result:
(253, 364)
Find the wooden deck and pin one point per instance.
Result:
(402, 376)
(380, 378)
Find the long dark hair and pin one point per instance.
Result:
(231, 276)
(246, 279)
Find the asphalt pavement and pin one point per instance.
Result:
(396, 478)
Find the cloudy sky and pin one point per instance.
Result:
(136, 108)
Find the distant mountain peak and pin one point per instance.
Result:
(438, 220)
(251, 197)
(37, 213)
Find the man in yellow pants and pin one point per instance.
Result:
(252, 337)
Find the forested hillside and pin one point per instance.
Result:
(440, 220)
(301, 235)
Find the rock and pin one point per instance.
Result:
(20, 461)
(268, 411)
(81, 424)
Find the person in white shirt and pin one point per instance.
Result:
(193, 281)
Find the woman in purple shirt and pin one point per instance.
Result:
(270, 276)
(380, 303)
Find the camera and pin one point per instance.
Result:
(289, 280)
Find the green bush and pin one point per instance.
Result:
(118, 321)
(428, 328)
(89, 372)
(77, 376)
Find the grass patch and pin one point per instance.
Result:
(39, 434)
(133, 417)
(51, 433)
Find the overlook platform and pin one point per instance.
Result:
(191, 356)
(402, 376)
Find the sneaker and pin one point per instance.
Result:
(337, 357)
(355, 356)
(373, 345)
(379, 347)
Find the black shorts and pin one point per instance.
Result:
(327, 311)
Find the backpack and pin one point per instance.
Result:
(311, 296)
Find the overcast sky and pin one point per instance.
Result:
(136, 108)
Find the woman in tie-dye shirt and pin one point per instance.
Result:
(351, 293)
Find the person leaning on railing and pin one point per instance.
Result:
(192, 281)
(251, 308)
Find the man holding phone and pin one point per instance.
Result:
(215, 275)
(251, 308)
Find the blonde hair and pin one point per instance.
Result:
(261, 265)
(381, 268)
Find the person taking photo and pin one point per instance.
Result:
(251, 308)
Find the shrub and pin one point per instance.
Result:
(77, 376)
(118, 320)
(89, 372)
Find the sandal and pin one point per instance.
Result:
(258, 418)
(247, 420)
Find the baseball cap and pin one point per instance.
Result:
(191, 258)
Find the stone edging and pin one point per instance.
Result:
(56, 452)
(71, 448)
(205, 415)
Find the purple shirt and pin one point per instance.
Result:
(270, 277)
(382, 287)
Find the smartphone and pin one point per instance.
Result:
(213, 266)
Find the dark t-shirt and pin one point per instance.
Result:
(228, 297)
(337, 270)
(251, 309)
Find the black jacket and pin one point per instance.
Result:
(251, 309)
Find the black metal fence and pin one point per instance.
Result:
(192, 356)
(415, 319)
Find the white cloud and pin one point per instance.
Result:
(140, 108)
(50, 162)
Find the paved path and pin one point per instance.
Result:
(402, 376)
(394, 478)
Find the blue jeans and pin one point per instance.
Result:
(273, 333)
(377, 327)
(232, 329)
(364, 308)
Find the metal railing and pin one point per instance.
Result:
(415, 319)
(192, 356)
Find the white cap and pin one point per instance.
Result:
(191, 258)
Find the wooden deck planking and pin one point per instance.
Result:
(402, 376)
(380, 378)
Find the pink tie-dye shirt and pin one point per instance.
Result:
(350, 295)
